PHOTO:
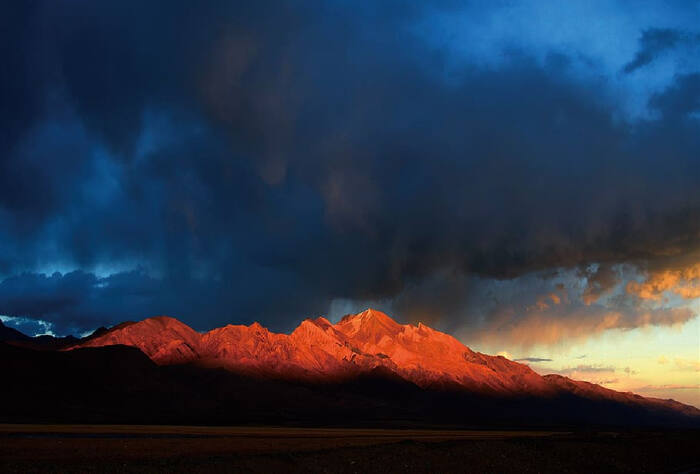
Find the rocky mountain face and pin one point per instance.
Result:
(366, 343)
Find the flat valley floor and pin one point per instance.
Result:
(26, 448)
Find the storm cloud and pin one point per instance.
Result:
(654, 42)
(261, 161)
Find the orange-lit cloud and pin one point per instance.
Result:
(548, 328)
(541, 308)
(544, 302)
(683, 281)
(550, 299)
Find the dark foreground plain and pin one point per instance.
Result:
(141, 448)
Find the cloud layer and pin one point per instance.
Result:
(260, 161)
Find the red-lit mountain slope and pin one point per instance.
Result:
(358, 344)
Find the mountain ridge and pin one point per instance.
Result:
(359, 344)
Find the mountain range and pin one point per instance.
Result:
(365, 367)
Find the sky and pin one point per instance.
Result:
(524, 175)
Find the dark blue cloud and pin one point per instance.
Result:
(78, 300)
(656, 41)
(257, 161)
(680, 101)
